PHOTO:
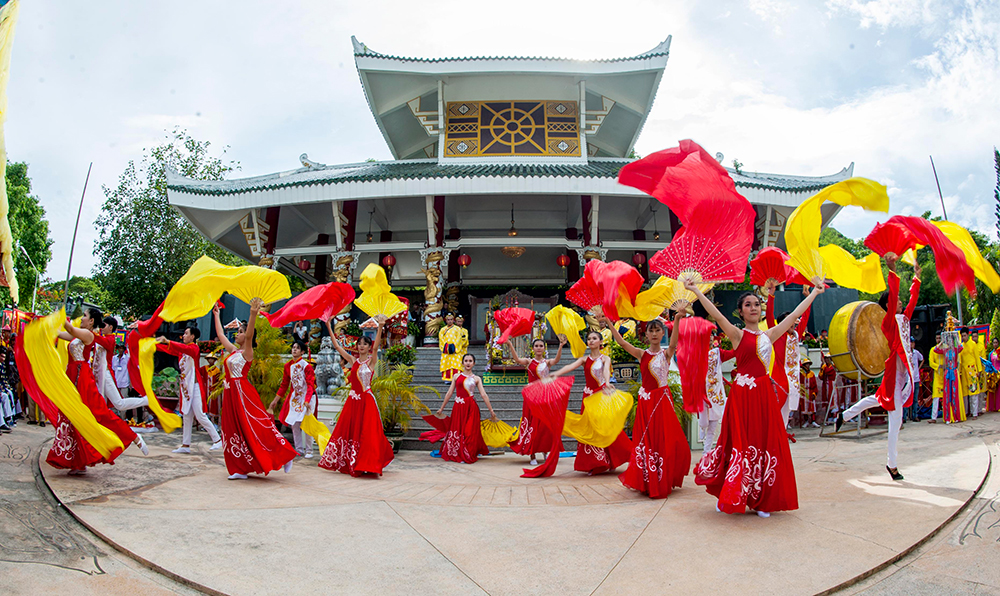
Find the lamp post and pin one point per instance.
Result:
(37, 275)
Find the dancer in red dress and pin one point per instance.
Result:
(785, 371)
(597, 373)
(661, 456)
(532, 437)
(358, 445)
(252, 443)
(462, 434)
(751, 464)
(69, 449)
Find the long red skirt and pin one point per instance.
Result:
(358, 445)
(461, 432)
(595, 460)
(532, 436)
(751, 464)
(661, 456)
(69, 449)
(253, 444)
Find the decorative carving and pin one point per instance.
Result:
(451, 297)
(255, 231)
(266, 261)
(433, 305)
(487, 128)
(594, 118)
(589, 253)
(427, 119)
(345, 263)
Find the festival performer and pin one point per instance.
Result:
(358, 445)
(69, 449)
(896, 390)
(751, 464)
(808, 391)
(531, 434)
(101, 352)
(936, 361)
(827, 380)
(916, 362)
(970, 365)
(194, 393)
(715, 389)
(993, 378)
(785, 371)
(661, 456)
(298, 376)
(952, 402)
(252, 443)
(607, 423)
(454, 343)
(462, 433)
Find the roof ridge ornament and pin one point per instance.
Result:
(308, 163)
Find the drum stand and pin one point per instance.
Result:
(844, 430)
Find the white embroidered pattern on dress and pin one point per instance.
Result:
(65, 444)
(659, 367)
(596, 452)
(752, 469)
(648, 462)
(744, 380)
(341, 454)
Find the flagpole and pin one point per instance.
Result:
(958, 292)
(72, 246)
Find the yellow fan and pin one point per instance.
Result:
(50, 375)
(602, 420)
(497, 434)
(565, 321)
(373, 279)
(147, 348)
(317, 430)
(379, 304)
(864, 275)
(195, 293)
(665, 293)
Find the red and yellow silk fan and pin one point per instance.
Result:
(950, 261)
(769, 264)
(514, 322)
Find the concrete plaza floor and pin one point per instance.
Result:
(432, 527)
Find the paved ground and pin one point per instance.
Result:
(428, 526)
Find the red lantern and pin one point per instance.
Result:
(305, 265)
(638, 259)
(464, 260)
(562, 261)
(389, 261)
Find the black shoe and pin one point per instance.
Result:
(32, 422)
(894, 473)
(41, 424)
(839, 423)
(4, 428)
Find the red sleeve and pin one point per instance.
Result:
(285, 378)
(725, 355)
(889, 327)
(769, 312)
(310, 383)
(804, 322)
(914, 294)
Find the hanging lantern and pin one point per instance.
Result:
(638, 259)
(305, 265)
(464, 260)
(562, 261)
(389, 261)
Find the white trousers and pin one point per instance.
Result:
(110, 391)
(709, 430)
(975, 404)
(903, 390)
(934, 408)
(195, 413)
(6, 405)
(303, 442)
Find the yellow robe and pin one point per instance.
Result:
(451, 364)
(935, 361)
(969, 367)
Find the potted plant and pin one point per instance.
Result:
(397, 399)
(400, 354)
(412, 331)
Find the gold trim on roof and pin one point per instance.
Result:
(524, 128)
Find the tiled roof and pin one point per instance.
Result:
(428, 169)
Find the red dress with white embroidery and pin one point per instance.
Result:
(591, 459)
(661, 456)
(253, 444)
(751, 465)
(462, 434)
(69, 449)
(358, 445)
(532, 436)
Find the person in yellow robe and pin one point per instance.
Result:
(969, 368)
(454, 342)
(936, 362)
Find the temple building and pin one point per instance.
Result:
(504, 174)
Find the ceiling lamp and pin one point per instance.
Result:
(512, 251)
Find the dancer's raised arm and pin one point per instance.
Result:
(255, 305)
(781, 328)
(340, 349)
(732, 331)
(220, 332)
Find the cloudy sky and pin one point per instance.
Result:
(787, 87)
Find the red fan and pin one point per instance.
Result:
(513, 322)
(718, 223)
(613, 279)
(892, 238)
(770, 264)
(692, 361)
(585, 293)
(950, 263)
(547, 401)
(318, 302)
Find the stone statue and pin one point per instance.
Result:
(329, 375)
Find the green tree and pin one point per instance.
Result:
(145, 246)
(80, 288)
(857, 248)
(30, 230)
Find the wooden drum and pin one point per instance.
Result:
(857, 345)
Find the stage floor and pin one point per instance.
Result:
(433, 527)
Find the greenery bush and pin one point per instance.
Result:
(400, 354)
(618, 353)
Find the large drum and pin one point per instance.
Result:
(857, 345)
